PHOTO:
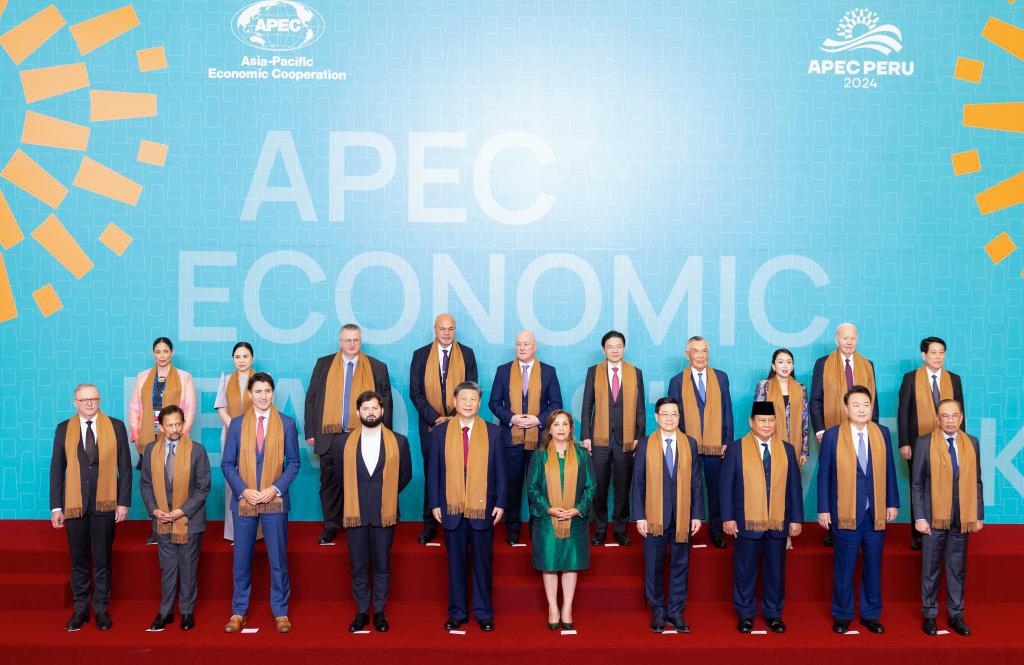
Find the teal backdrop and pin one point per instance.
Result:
(752, 172)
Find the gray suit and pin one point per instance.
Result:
(179, 564)
(942, 546)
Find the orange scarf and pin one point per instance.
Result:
(926, 421)
(106, 486)
(846, 472)
(389, 488)
(653, 507)
(432, 378)
(182, 474)
(466, 485)
(602, 405)
(273, 460)
(834, 378)
(334, 393)
(561, 495)
(794, 430)
(172, 395)
(709, 438)
(758, 514)
(237, 399)
(942, 482)
(521, 436)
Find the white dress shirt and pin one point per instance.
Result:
(370, 442)
(440, 356)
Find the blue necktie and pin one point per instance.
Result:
(348, 391)
(766, 462)
(700, 387)
(952, 456)
(935, 391)
(862, 453)
(169, 465)
(670, 458)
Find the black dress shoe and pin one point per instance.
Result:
(103, 621)
(929, 627)
(718, 540)
(361, 620)
(380, 622)
(161, 621)
(657, 625)
(622, 539)
(745, 625)
(872, 625)
(840, 625)
(188, 621)
(486, 625)
(454, 624)
(427, 535)
(775, 625)
(679, 624)
(958, 626)
(597, 541)
(328, 535)
(77, 620)
(827, 542)
(512, 538)
(151, 540)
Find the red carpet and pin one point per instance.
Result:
(610, 615)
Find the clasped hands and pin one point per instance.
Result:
(256, 497)
(563, 514)
(167, 518)
(525, 421)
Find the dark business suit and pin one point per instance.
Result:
(654, 546)
(324, 443)
(370, 541)
(817, 401)
(907, 424)
(461, 533)
(864, 538)
(942, 546)
(768, 546)
(517, 457)
(427, 414)
(90, 537)
(711, 463)
(275, 525)
(180, 563)
(611, 462)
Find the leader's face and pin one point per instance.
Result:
(763, 426)
(668, 417)
(262, 395)
(858, 409)
(350, 342)
(87, 402)
(444, 330)
(467, 403)
(613, 349)
(697, 353)
(526, 346)
(846, 340)
(950, 417)
(935, 356)
(370, 412)
(172, 426)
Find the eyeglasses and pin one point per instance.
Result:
(89, 400)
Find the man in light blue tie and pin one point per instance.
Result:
(857, 495)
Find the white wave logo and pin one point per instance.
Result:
(277, 25)
(859, 29)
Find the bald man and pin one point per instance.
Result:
(524, 394)
(833, 376)
(433, 374)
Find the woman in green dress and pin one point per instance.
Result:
(560, 487)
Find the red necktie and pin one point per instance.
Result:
(849, 375)
(465, 446)
(615, 383)
(260, 435)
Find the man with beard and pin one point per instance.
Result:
(373, 467)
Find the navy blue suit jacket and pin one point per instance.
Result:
(675, 391)
(370, 482)
(816, 404)
(229, 461)
(500, 403)
(417, 390)
(730, 489)
(639, 491)
(828, 485)
(436, 474)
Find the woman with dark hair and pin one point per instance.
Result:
(161, 385)
(232, 401)
(560, 487)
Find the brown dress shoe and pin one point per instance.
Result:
(235, 624)
(283, 624)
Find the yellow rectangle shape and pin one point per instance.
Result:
(53, 132)
(23, 39)
(109, 105)
(98, 179)
(10, 232)
(968, 70)
(1006, 36)
(115, 239)
(47, 300)
(1000, 247)
(152, 59)
(23, 172)
(966, 162)
(152, 153)
(55, 239)
(47, 82)
(1000, 196)
(8, 308)
(97, 31)
(1003, 116)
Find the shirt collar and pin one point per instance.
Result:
(853, 428)
(846, 357)
(529, 364)
(259, 413)
(441, 347)
(612, 365)
(937, 373)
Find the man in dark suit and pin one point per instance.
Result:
(88, 497)
(777, 511)
(373, 467)
(469, 528)
(435, 371)
(947, 466)
(917, 419)
(343, 376)
(827, 393)
(611, 443)
(698, 389)
(665, 464)
(850, 501)
(260, 438)
(522, 417)
(179, 524)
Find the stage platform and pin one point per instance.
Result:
(610, 615)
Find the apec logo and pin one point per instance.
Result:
(277, 25)
(863, 46)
